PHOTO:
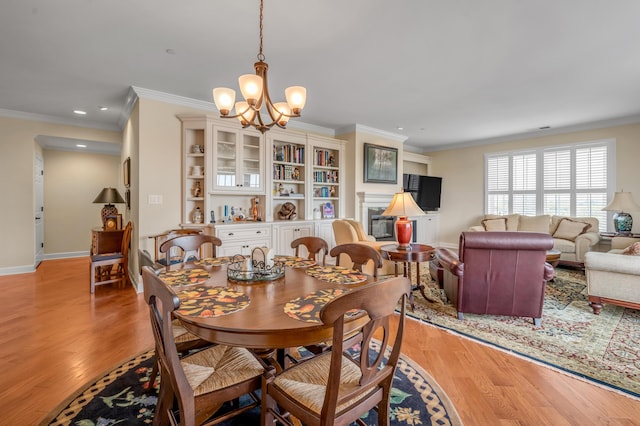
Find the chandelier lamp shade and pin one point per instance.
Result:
(622, 203)
(108, 197)
(257, 109)
(402, 206)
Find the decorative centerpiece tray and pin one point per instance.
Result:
(251, 269)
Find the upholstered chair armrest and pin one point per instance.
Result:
(609, 262)
(621, 243)
(584, 242)
(450, 261)
(548, 272)
(476, 228)
(370, 238)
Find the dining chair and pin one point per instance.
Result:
(200, 383)
(161, 238)
(360, 255)
(339, 386)
(314, 246)
(190, 247)
(102, 265)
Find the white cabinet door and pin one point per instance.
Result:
(285, 234)
(324, 230)
(427, 232)
(241, 239)
(238, 160)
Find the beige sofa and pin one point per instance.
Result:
(572, 236)
(613, 278)
(352, 231)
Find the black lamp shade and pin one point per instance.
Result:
(109, 196)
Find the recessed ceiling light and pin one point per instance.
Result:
(79, 145)
(103, 108)
(79, 112)
(400, 128)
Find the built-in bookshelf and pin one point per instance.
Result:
(326, 185)
(289, 173)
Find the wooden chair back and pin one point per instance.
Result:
(378, 301)
(360, 255)
(195, 407)
(190, 246)
(101, 268)
(314, 246)
(161, 238)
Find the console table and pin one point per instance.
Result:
(106, 241)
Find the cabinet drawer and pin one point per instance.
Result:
(246, 233)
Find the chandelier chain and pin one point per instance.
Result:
(260, 55)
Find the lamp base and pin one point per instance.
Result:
(108, 210)
(622, 222)
(404, 230)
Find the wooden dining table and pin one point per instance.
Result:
(263, 322)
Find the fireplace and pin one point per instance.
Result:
(383, 227)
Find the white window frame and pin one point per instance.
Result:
(611, 175)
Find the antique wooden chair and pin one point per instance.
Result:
(161, 238)
(102, 265)
(200, 382)
(360, 255)
(190, 247)
(339, 386)
(314, 246)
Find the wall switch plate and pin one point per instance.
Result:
(155, 199)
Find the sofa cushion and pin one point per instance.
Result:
(555, 221)
(633, 249)
(569, 229)
(497, 224)
(512, 220)
(534, 223)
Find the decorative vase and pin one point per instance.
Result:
(197, 215)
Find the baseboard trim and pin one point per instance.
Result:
(65, 255)
(14, 270)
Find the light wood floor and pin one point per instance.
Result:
(56, 337)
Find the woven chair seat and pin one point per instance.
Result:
(307, 382)
(219, 367)
(181, 334)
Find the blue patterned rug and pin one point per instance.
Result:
(122, 396)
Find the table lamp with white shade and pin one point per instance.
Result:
(622, 203)
(402, 206)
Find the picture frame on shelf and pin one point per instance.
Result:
(328, 211)
(126, 172)
(380, 164)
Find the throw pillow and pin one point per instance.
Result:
(497, 224)
(633, 249)
(570, 229)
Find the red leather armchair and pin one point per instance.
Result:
(498, 273)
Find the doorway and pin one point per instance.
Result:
(38, 184)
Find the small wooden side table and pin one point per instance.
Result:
(418, 253)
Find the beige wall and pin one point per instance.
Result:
(462, 171)
(72, 182)
(354, 156)
(18, 147)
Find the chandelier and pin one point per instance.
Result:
(256, 94)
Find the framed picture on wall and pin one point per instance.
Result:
(126, 172)
(380, 164)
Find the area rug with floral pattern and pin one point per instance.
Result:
(604, 348)
(124, 396)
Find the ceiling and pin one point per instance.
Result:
(438, 72)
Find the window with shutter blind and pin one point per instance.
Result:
(569, 180)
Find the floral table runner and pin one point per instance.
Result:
(184, 276)
(336, 274)
(207, 302)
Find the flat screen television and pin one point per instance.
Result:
(426, 190)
